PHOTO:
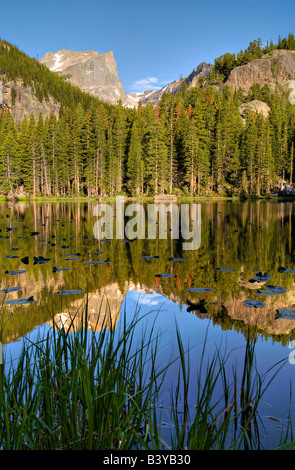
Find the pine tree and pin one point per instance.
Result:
(248, 151)
(50, 133)
(135, 162)
(291, 42)
(43, 166)
(63, 165)
(191, 146)
(76, 168)
(8, 156)
(279, 137)
(88, 152)
(26, 150)
(227, 143)
(8, 164)
(119, 145)
(291, 163)
(264, 157)
(157, 154)
(100, 165)
(166, 110)
(203, 163)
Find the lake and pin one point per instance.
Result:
(198, 272)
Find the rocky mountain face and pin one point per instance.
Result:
(20, 101)
(93, 73)
(276, 69)
(97, 75)
(201, 71)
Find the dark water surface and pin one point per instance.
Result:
(49, 252)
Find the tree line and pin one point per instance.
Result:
(228, 61)
(193, 143)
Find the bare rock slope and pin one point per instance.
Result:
(25, 102)
(276, 69)
(93, 73)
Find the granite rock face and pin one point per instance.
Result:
(24, 102)
(93, 73)
(255, 106)
(276, 69)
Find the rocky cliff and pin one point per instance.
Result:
(276, 69)
(21, 101)
(93, 73)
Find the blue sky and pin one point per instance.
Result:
(154, 42)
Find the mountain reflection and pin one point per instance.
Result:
(236, 240)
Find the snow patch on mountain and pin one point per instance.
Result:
(57, 63)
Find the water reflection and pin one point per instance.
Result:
(50, 248)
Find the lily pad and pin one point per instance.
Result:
(199, 289)
(272, 290)
(11, 289)
(150, 257)
(15, 272)
(54, 269)
(73, 258)
(286, 270)
(69, 292)
(11, 256)
(164, 275)
(225, 269)
(96, 262)
(40, 260)
(176, 259)
(285, 313)
(260, 277)
(20, 301)
(253, 303)
(73, 255)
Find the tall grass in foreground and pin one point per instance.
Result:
(81, 390)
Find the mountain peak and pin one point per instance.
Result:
(93, 73)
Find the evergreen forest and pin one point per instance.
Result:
(194, 143)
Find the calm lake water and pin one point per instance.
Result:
(48, 249)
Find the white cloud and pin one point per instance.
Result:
(147, 83)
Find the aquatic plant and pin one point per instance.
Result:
(75, 389)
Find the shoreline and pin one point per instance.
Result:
(166, 199)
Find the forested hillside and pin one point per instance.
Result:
(225, 64)
(194, 143)
(15, 64)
